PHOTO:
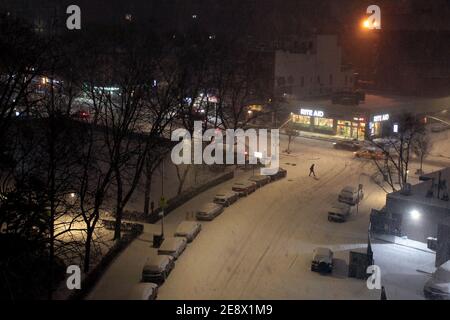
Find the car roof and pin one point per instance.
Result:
(187, 226)
(443, 272)
(349, 189)
(142, 290)
(171, 243)
(156, 263)
(323, 251)
(340, 206)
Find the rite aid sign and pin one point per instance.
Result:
(381, 118)
(312, 113)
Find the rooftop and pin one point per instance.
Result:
(419, 191)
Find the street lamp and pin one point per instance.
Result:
(415, 214)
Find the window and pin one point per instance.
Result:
(302, 84)
(302, 120)
(331, 79)
(324, 123)
(290, 79)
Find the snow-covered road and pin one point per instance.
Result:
(261, 247)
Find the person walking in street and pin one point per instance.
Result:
(311, 171)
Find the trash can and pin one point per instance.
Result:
(157, 240)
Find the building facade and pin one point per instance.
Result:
(311, 68)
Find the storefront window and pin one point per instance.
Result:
(301, 120)
(351, 130)
(324, 124)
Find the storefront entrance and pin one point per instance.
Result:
(351, 130)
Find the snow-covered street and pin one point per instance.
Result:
(261, 247)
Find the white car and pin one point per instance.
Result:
(340, 212)
(209, 212)
(144, 291)
(188, 230)
(438, 287)
(351, 195)
(157, 268)
(173, 247)
(226, 198)
(322, 260)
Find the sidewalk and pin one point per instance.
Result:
(403, 242)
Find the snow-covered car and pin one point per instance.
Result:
(244, 188)
(347, 145)
(226, 198)
(322, 260)
(188, 230)
(438, 287)
(440, 127)
(340, 212)
(173, 246)
(281, 173)
(209, 212)
(351, 195)
(157, 268)
(370, 154)
(144, 291)
(260, 180)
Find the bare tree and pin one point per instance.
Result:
(421, 149)
(398, 151)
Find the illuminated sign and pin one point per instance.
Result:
(395, 128)
(312, 113)
(381, 118)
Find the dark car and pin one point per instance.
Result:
(322, 260)
(260, 180)
(347, 145)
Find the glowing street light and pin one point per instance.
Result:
(415, 215)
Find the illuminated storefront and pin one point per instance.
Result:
(380, 125)
(331, 122)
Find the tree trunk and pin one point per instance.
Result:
(147, 192)
(119, 208)
(87, 249)
(181, 178)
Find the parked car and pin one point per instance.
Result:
(188, 230)
(173, 247)
(260, 180)
(438, 287)
(370, 154)
(347, 145)
(282, 173)
(209, 212)
(144, 291)
(340, 212)
(351, 195)
(322, 260)
(226, 198)
(439, 127)
(244, 188)
(157, 268)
